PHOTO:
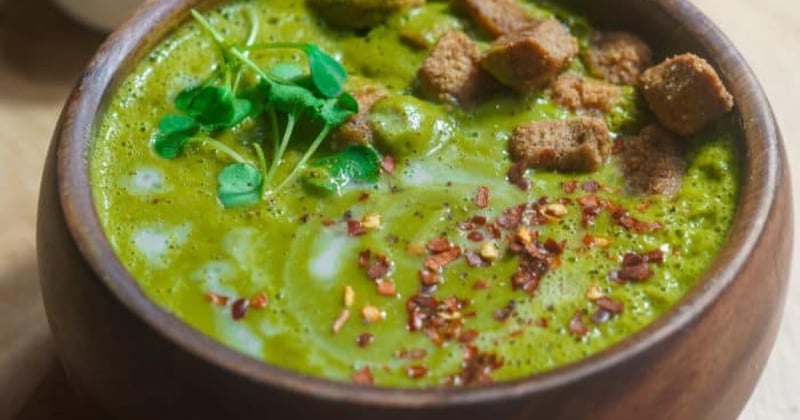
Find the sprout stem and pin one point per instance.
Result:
(310, 152)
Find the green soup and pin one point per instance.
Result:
(166, 223)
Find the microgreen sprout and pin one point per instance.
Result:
(284, 89)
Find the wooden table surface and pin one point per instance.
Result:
(41, 54)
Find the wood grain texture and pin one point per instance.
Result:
(41, 54)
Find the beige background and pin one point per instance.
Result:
(41, 53)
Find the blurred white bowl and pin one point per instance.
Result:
(104, 15)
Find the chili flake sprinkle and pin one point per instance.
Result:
(217, 299)
(576, 325)
(482, 197)
(363, 340)
(239, 308)
(363, 376)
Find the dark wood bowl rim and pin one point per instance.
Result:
(761, 169)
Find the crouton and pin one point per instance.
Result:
(530, 59)
(685, 93)
(358, 14)
(618, 57)
(578, 93)
(653, 162)
(452, 71)
(579, 145)
(498, 17)
(357, 128)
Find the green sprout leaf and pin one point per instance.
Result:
(214, 107)
(286, 72)
(239, 184)
(357, 164)
(327, 73)
(174, 132)
(294, 99)
(336, 111)
(286, 88)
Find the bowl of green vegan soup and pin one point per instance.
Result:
(389, 209)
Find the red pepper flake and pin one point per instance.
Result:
(354, 228)
(468, 336)
(364, 196)
(569, 187)
(386, 288)
(378, 269)
(465, 225)
(481, 285)
(259, 300)
(576, 326)
(439, 320)
(634, 268)
(590, 208)
(413, 354)
(478, 220)
(494, 231)
(516, 175)
(475, 236)
(511, 218)
(504, 313)
(439, 244)
(656, 256)
(590, 186)
(364, 257)
(239, 308)
(633, 273)
(624, 219)
(601, 316)
(328, 222)
(632, 258)
(482, 197)
(610, 305)
(644, 205)
(416, 371)
(542, 322)
(436, 261)
(527, 279)
(217, 299)
(363, 376)
(429, 278)
(536, 259)
(388, 164)
(477, 368)
(363, 340)
(474, 260)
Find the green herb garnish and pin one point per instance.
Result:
(284, 89)
(239, 184)
(357, 164)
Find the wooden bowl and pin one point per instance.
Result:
(131, 359)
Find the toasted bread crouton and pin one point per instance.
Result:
(498, 17)
(579, 145)
(452, 71)
(578, 93)
(685, 93)
(357, 128)
(357, 14)
(530, 59)
(653, 162)
(618, 57)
